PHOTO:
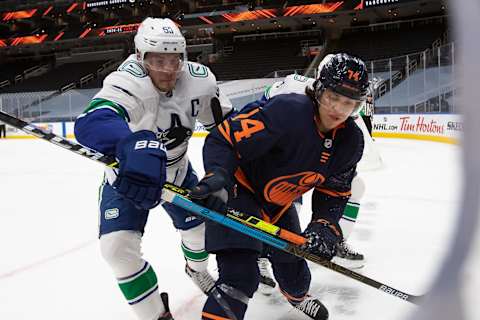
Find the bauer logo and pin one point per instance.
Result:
(111, 213)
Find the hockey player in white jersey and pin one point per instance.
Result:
(346, 256)
(144, 115)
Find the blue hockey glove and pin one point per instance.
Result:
(322, 238)
(142, 171)
(210, 191)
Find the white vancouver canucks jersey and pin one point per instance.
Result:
(293, 83)
(171, 115)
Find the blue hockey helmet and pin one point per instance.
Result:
(345, 75)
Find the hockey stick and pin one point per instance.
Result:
(271, 234)
(251, 226)
(58, 140)
(248, 220)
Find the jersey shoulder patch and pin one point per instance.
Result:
(198, 70)
(199, 79)
(124, 84)
(134, 68)
(299, 78)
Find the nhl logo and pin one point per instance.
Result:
(328, 143)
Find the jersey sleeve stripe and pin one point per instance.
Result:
(224, 129)
(334, 193)
(267, 92)
(97, 104)
(242, 179)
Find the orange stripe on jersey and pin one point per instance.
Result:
(325, 154)
(334, 193)
(206, 315)
(224, 129)
(242, 179)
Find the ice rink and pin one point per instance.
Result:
(51, 268)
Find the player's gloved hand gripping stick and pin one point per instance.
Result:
(210, 191)
(142, 172)
(251, 226)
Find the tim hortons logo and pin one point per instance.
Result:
(283, 190)
(421, 125)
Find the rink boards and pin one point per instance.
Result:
(445, 128)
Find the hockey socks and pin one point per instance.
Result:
(140, 285)
(141, 292)
(196, 259)
(349, 217)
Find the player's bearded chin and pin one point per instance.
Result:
(164, 81)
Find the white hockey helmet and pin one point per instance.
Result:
(320, 67)
(159, 35)
(323, 62)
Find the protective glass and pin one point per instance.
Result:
(337, 103)
(163, 62)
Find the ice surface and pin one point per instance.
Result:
(50, 265)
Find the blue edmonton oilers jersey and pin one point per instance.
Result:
(274, 149)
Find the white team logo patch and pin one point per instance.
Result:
(134, 68)
(328, 143)
(198, 71)
(112, 213)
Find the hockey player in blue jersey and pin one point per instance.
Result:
(345, 256)
(261, 160)
(144, 115)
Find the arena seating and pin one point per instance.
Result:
(375, 45)
(256, 59)
(58, 77)
(13, 72)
